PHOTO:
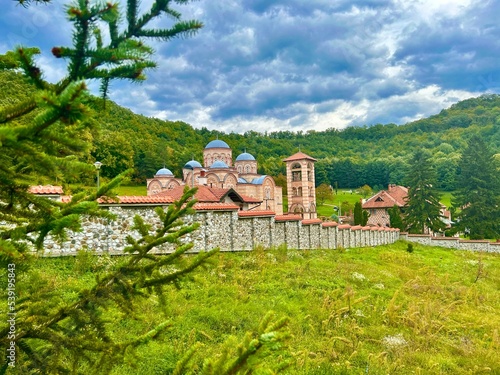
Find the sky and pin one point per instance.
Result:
(297, 65)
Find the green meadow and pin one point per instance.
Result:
(379, 310)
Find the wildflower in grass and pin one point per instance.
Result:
(393, 342)
(379, 286)
(359, 313)
(358, 276)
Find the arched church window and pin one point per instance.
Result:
(268, 193)
(298, 210)
(296, 172)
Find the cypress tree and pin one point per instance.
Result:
(358, 213)
(395, 219)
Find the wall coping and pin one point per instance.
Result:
(445, 239)
(330, 224)
(311, 221)
(476, 241)
(344, 226)
(244, 214)
(288, 218)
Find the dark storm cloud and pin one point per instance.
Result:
(270, 56)
(459, 53)
(289, 64)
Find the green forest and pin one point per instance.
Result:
(366, 155)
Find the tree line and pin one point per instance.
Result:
(373, 155)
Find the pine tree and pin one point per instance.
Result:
(423, 209)
(477, 199)
(42, 138)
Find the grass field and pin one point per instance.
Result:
(132, 190)
(379, 310)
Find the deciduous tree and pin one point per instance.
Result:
(323, 193)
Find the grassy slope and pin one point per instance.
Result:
(374, 310)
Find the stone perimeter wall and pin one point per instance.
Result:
(453, 243)
(223, 229)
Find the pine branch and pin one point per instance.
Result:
(180, 29)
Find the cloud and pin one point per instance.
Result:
(295, 65)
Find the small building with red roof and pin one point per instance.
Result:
(380, 203)
(378, 206)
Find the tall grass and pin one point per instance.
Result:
(376, 310)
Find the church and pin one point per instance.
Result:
(220, 181)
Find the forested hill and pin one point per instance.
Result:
(352, 157)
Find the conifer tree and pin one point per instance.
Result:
(42, 138)
(423, 209)
(477, 199)
(360, 216)
(395, 219)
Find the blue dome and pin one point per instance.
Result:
(259, 180)
(217, 143)
(219, 164)
(192, 164)
(241, 180)
(164, 172)
(244, 157)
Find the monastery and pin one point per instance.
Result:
(219, 180)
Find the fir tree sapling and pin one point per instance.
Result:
(42, 137)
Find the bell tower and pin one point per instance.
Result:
(301, 185)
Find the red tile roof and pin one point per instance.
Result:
(45, 190)
(209, 194)
(299, 156)
(255, 213)
(395, 195)
(131, 199)
(200, 206)
(247, 199)
(204, 193)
